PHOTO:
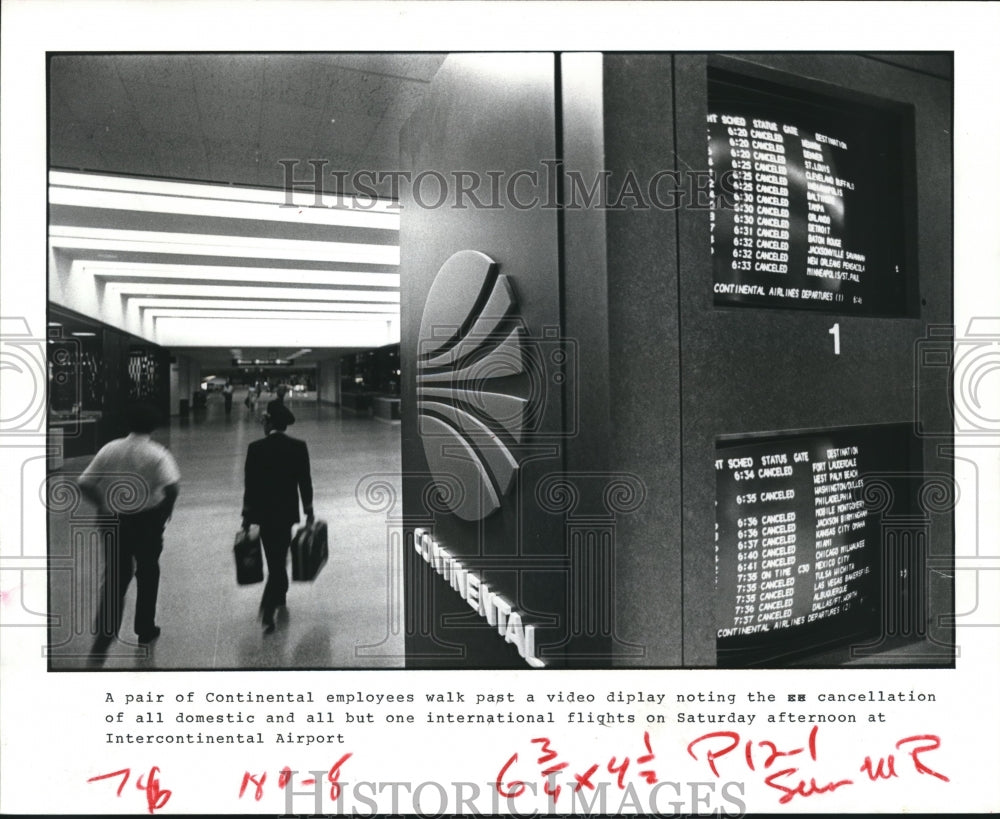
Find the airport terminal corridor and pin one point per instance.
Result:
(660, 401)
(342, 619)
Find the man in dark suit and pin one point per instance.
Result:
(279, 401)
(276, 474)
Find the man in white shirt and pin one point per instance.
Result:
(136, 480)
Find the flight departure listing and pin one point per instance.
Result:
(791, 535)
(803, 218)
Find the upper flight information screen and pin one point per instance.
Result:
(811, 199)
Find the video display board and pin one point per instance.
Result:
(799, 539)
(813, 200)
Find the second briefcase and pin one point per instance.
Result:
(249, 560)
(309, 551)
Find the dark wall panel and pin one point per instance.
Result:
(644, 376)
(603, 540)
(487, 114)
(748, 370)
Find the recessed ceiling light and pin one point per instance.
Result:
(204, 244)
(218, 273)
(160, 196)
(234, 291)
(83, 334)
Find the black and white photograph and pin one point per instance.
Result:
(438, 424)
(503, 372)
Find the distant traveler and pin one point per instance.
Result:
(137, 481)
(276, 474)
(227, 395)
(280, 391)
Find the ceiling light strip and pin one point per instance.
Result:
(240, 306)
(300, 199)
(207, 275)
(269, 212)
(221, 273)
(247, 292)
(62, 236)
(256, 315)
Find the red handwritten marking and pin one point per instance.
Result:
(880, 772)
(285, 777)
(884, 769)
(788, 781)
(649, 776)
(714, 755)
(935, 743)
(550, 791)
(247, 779)
(801, 789)
(155, 798)
(333, 777)
(550, 772)
(620, 770)
(548, 754)
(121, 787)
(516, 788)
(584, 781)
(776, 754)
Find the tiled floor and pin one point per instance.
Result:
(347, 618)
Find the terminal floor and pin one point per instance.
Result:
(348, 617)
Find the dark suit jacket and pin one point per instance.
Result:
(276, 473)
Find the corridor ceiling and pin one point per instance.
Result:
(168, 213)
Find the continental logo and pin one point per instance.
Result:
(473, 385)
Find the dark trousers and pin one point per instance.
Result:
(276, 539)
(132, 549)
(228, 397)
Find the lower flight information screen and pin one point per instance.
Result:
(798, 536)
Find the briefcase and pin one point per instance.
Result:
(309, 551)
(249, 560)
